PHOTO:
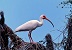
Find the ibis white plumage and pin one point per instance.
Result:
(32, 25)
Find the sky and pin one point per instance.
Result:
(17, 12)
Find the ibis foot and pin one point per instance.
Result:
(33, 42)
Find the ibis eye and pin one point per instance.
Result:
(44, 17)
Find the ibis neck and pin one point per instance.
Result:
(41, 21)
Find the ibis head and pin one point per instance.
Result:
(44, 17)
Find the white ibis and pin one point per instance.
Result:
(32, 25)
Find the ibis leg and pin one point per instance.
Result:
(29, 34)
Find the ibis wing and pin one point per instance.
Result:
(30, 25)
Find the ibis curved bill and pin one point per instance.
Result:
(32, 25)
(50, 22)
